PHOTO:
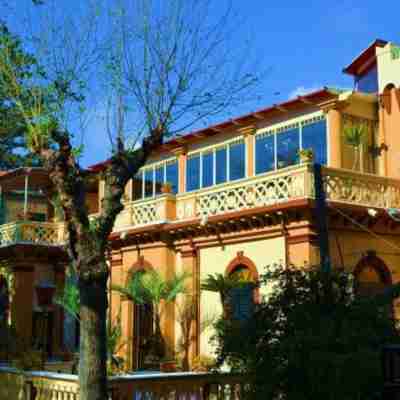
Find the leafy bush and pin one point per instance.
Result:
(311, 338)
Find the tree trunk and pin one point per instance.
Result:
(93, 341)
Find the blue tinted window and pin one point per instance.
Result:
(173, 176)
(237, 165)
(193, 173)
(265, 154)
(314, 137)
(137, 186)
(220, 161)
(208, 170)
(242, 302)
(159, 179)
(368, 82)
(288, 147)
(148, 182)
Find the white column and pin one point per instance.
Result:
(26, 195)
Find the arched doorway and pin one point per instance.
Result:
(143, 325)
(371, 276)
(242, 299)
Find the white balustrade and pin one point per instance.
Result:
(29, 232)
(356, 188)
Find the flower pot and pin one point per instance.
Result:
(306, 158)
(168, 366)
(166, 188)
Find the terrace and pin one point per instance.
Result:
(342, 187)
(275, 188)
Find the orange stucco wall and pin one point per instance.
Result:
(390, 124)
(130, 260)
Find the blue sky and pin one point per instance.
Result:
(303, 45)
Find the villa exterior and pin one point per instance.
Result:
(231, 197)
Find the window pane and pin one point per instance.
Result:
(159, 179)
(314, 137)
(193, 173)
(265, 154)
(242, 302)
(148, 182)
(236, 161)
(208, 170)
(288, 147)
(137, 186)
(220, 158)
(173, 176)
(368, 82)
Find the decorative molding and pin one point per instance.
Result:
(180, 151)
(305, 238)
(371, 260)
(333, 104)
(189, 253)
(247, 130)
(241, 259)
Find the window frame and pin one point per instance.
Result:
(154, 167)
(298, 123)
(213, 149)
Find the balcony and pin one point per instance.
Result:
(278, 187)
(294, 183)
(32, 233)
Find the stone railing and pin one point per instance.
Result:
(148, 211)
(267, 189)
(369, 190)
(296, 182)
(28, 232)
(179, 386)
(17, 385)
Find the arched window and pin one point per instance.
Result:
(243, 298)
(371, 276)
(143, 319)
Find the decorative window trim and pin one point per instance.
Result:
(242, 260)
(378, 264)
(140, 265)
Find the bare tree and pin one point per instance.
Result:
(160, 67)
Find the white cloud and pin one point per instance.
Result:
(303, 90)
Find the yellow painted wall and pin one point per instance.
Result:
(160, 258)
(390, 124)
(388, 68)
(216, 259)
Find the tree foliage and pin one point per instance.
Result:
(13, 152)
(162, 67)
(311, 338)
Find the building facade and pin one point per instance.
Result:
(238, 196)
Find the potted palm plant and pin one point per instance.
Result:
(166, 188)
(151, 288)
(354, 135)
(222, 285)
(306, 155)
